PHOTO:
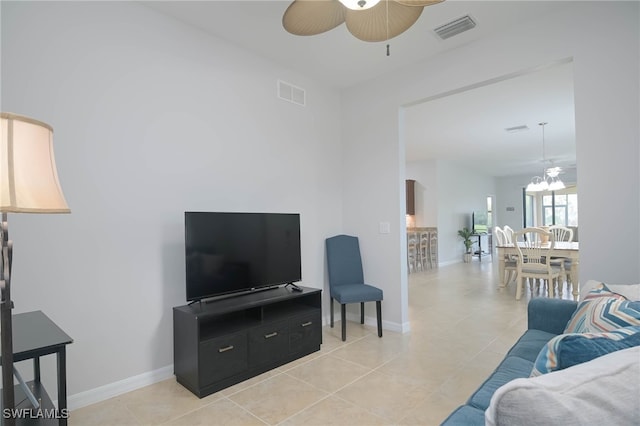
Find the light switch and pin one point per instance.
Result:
(385, 227)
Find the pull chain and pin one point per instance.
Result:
(387, 7)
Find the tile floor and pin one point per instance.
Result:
(461, 327)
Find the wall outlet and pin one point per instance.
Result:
(385, 228)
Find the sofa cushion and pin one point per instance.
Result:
(465, 415)
(566, 350)
(603, 391)
(603, 310)
(510, 368)
(529, 345)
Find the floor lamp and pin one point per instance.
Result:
(28, 184)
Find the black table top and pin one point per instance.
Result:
(34, 334)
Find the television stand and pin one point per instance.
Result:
(225, 341)
(480, 253)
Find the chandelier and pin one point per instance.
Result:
(549, 181)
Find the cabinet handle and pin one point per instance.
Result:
(306, 324)
(228, 348)
(270, 335)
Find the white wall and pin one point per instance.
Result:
(451, 193)
(151, 118)
(606, 70)
(461, 191)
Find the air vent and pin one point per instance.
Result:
(291, 93)
(455, 27)
(515, 129)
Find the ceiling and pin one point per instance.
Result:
(466, 127)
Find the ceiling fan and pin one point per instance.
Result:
(367, 20)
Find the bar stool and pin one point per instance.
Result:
(413, 251)
(433, 249)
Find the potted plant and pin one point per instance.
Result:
(466, 234)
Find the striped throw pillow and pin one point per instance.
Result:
(603, 310)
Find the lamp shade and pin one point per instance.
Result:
(28, 175)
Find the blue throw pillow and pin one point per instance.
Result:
(566, 350)
(578, 349)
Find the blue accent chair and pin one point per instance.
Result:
(346, 280)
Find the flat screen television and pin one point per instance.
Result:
(480, 222)
(229, 253)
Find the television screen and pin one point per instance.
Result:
(236, 252)
(480, 222)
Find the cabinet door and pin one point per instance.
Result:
(268, 343)
(222, 357)
(305, 331)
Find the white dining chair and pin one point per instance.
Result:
(533, 259)
(508, 232)
(510, 264)
(562, 233)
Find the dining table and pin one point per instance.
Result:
(566, 249)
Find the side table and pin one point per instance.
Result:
(35, 335)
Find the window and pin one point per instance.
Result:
(528, 210)
(489, 212)
(556, 207)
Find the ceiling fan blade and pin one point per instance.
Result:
(311, 17)
(419, 2)
(372, 24)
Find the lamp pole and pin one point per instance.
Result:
(8, 398)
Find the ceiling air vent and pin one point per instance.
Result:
(515, 129)
(291, 93)
(455, 27)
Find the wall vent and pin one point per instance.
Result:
(515, 129)
(291, 93)
(455, 27)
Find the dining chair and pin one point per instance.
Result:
(346, 280)
(562, 233)
(533, 259)
(508, 232)
(510, 263)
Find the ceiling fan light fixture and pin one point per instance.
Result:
(549, 180)
(556, 184)
(367, 20)
(553, 172)
(359, 4)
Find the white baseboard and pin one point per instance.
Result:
(129, 384)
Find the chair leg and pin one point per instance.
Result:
(361, 312)
(519, 285)
(343, 313)
(379, 315)
(331, 311)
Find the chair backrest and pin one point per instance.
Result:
(533, 253)
(562, 233)
(500, 236)
(343, 260)
(508, 232)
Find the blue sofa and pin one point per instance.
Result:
(547, 318)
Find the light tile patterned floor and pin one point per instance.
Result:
(461, 327)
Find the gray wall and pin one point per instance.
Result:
(151, 118)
